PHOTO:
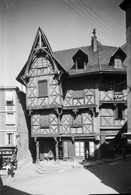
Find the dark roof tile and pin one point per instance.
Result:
(101, 56)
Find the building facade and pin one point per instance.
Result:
(126, 6)
(13, 125)
(76, 99)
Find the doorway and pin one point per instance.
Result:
(80, 150)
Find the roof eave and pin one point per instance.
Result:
(96, 72)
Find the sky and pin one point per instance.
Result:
(66, 24)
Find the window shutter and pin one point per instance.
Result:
(44, 120)
(42, 88)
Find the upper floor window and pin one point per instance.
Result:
(42, 62)
(117, 62)
(77, 120)
(77, 94)
(80, 60)
(119, 112)
(44, 121)
(42, 88)
(80, 63)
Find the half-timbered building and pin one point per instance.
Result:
(76, 98)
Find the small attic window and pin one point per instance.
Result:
(118, 62)
(80, 60)
(80, 63)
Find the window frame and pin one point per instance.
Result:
(44, 125)
(74, 122)
(118, 63)
(76, 92)
(41, 94)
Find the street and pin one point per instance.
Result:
(108, 178)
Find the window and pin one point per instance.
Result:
(10, 139)
(44, 121)
(117, 63)
(76, 120)
(77, 94)
(119, 112)
(9, 103)
(10, 118)
(42, 88)
(80, 63)
(80, 60)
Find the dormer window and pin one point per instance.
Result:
(117, 62)
(80, 60)
(117, 59)
(80, 63)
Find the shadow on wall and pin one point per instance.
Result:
(113, 147)
(31, 144)
(115, 174)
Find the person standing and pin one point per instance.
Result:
(87, 154)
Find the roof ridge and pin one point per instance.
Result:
(72, 48)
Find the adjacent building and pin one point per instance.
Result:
(13, 124)
(126, 6)
(76, 99)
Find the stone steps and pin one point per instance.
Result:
(55, 167)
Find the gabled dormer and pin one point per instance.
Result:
(117, 59)
(80, 60)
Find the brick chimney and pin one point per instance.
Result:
(94, 41)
